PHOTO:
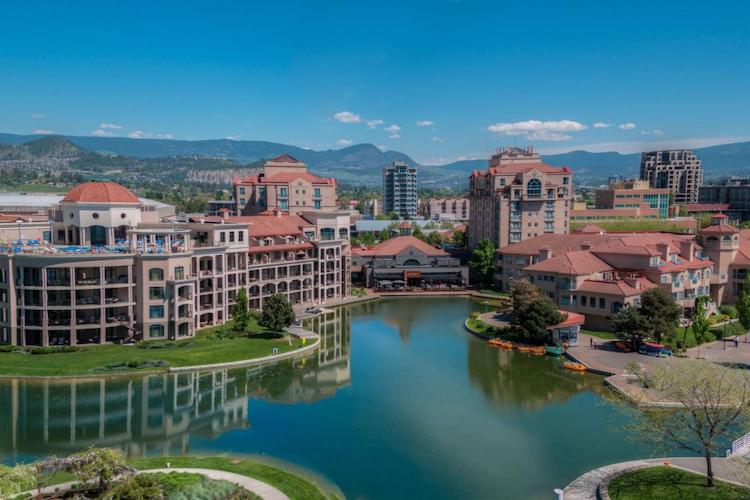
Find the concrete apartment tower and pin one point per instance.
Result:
(678, 170)
(400, 190)
(518, 197)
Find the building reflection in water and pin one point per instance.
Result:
(156, 414)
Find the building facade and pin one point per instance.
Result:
(518, 197)
(114, 271)
(451, 209)
(284, 184)
(400, 190)
(651, 203)
(734, 193)
(680, 171)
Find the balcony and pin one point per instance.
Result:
(87, 276)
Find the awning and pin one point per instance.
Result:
(412, 274)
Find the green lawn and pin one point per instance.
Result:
(478, 326)
(665, 483)
(491, 291)
(206, 348)
(634, 225)
(600, 334)
(294, 486)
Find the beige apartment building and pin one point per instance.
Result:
(518, 197)
(599, 274)
(284, 184)
(450, 209)
(680, 171)
(115, 271)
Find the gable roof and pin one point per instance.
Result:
(576, 263)
(262, 226)
(286, 158)
(591, 229)
(400, 244)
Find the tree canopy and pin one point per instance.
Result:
(743, 305)
(656, 318)
(532, 312)
(277, 313)
(241, 315)
(482, 261)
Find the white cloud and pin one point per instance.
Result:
(44, 131)
(393, 129)
(602, 125)
(656, 131)
(233, 137)
(627, 126)
(140, 134)
(382, 147)
(374, 123)
(100, 132)
(537, 130)
(347, 117)
(38, 116)
(437, 139)
(425, 123)
(345, 142)
(110, 126)
(394, 136)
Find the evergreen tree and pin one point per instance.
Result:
(662, 313)
(631, 326)
(482, 261)
(277, 313)
(700, 322)
(743, 305)
(241, 314)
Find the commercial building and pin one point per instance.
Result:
(597, 274)
(650, 203)
(680, 171)
(114, 270)
(450, 209)
(400, 190)
(734, 193)
(518, 197)
(284, 184)
(407, 261)
(219, 207)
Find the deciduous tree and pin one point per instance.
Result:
(277, 313)
(482, 261)
(743, 305)
(241, 315)
(631, 326)
(662, 313)
(700, 322)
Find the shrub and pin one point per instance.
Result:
(162, 344)
(140, 487)
(131, 364)
(728, 310)
(474, 315)
(53, 349)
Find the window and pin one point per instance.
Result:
(534, 188)
(231, 236)
(242, 190)
(179, 273)
(156, 312)
(223, 237)
(283, 204)
(317, 193)
(241, 236)
(155, 274)
(283, 193)
(602, 303)
(156, 292)
(583, 300)
(502, 181)
(317, 204)
(156, 331)
(566, 180)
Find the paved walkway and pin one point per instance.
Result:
(585, 487)
(263, 490)
(723, 352)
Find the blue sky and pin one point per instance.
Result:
(439, 80)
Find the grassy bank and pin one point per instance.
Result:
(635, 225)
(666, 483)
(294, 486)
(212, 345)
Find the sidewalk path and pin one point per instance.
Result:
(263, 490)
(719, 352)
(585, 487)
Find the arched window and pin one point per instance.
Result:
(156, 331)
(156, 274)
(411, 262)
(98, 236)
(534, 188)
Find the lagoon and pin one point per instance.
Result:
(399, 402)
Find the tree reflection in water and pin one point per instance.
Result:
(512, 379)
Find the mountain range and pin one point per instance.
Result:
(356, 164)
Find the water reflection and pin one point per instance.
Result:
(157, 414)
(513, 379)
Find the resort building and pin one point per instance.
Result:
(219, 207)
(733, 194)
(400, 190)
(284, 184)
(407, 261)
(679, 171)
(113, 270)
(450, 209)
(597, 274)
(518, 197)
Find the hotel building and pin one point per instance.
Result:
(518, 197)
(400, 190)
(284, 184)
(680, 171)
(114, 270)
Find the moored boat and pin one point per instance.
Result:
(538, 350)
(576, 367)
(523, 348)
(554, 350)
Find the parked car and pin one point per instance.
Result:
(654, 349)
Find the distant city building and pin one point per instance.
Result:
(680, 171)
(518, 197)
(372, 208)
(219, 207)
(451, 209)
(284, 184)
(626, 199)
(400, 190)
(734, 193)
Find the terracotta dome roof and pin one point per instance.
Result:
(100, 192)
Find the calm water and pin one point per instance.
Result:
(399, 403)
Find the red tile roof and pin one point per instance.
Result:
(100, 192)
(571, 319)
(523, 167)
(264, 226)
(398, 245)
(719, 228)
(286, 158)
(576, 263)
(619, 288)
(591, 229)
(285, 178)
(405, 225)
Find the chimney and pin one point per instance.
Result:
(545, 253)
(663, 249)
(687, 250)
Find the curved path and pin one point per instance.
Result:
(587, 486)
(263, 490)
